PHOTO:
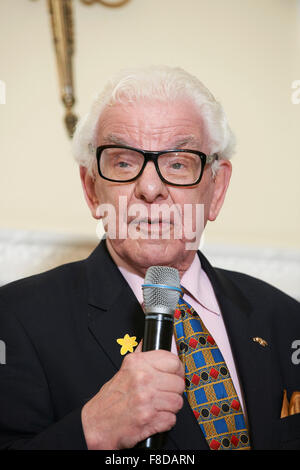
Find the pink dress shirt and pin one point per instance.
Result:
(200, 295)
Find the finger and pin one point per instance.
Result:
(164, 361)
(164, 422)
(170, 383)
(168, 401)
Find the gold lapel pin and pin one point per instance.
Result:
(261, 341)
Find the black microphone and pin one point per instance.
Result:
(161, 292)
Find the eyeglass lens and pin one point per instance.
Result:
(121, 164)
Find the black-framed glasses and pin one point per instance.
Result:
(178, 167)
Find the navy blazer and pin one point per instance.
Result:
(60, 330)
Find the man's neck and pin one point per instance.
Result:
(122, 263)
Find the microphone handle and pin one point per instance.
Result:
(157, 335)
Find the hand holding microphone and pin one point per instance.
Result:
(143, 397)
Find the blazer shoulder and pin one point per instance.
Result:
(257, 290)
(42, 290)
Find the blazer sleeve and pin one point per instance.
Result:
(27, 417)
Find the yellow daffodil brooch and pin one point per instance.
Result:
(127, 343)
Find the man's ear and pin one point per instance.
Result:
(88, 185)
(221, 182)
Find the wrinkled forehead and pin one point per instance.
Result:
(152, 122)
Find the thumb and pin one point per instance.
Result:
(139, 347)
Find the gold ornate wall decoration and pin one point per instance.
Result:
(107, 3)
(61, 14)
(63, 37)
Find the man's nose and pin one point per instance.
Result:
(149, 186)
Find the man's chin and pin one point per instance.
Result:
(140, 254)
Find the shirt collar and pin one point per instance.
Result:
(194, 281)
(135, 282)
(198, 286)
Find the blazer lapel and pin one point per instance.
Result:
(113, 309)
(253, 361)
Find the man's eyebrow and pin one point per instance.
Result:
(114, 139)
(189, 140)
(181, 142)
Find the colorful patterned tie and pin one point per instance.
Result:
(209, 387)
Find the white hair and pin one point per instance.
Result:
(161, 83)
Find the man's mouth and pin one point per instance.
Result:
(150, 221)
(151, 226)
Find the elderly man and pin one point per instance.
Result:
(76, 376)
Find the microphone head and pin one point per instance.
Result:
(161, 299)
